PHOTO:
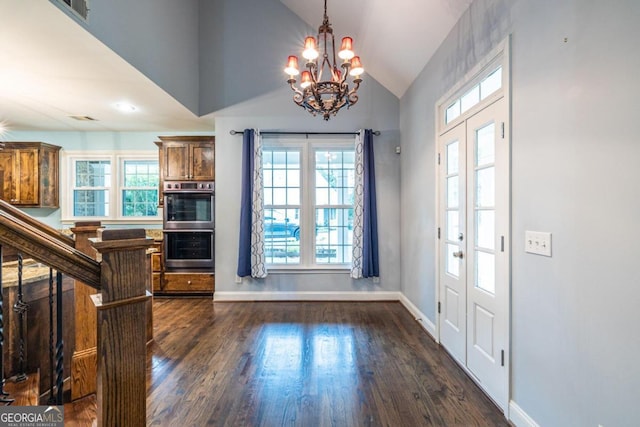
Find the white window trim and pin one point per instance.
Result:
(117, 159)
(498, 56)
(307, 207)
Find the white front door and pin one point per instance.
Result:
(453, 200)
(473, 248)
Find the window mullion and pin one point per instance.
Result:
(308, 183)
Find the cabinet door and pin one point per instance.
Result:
(49, 178)
(202, 162)
(176, 161)
(27, 177)
(6, 176)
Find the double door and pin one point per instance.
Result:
(473, 247)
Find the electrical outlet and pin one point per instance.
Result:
(238, 279)
(537, 242)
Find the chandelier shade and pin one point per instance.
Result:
(323, 87)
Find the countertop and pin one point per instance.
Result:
(32, 271)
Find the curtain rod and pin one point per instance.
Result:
(235, 132)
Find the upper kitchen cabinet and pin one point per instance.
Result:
(29, 174)
(187, 158)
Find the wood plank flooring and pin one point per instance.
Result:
(303, 364)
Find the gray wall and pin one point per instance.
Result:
(158, 37)
(243, 55)
(378, 109)
(574, 173)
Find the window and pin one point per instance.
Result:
(111, 187)
(140, 188)
(308, 204)
(91, 188)
(479, 92)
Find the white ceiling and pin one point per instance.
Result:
(51, 69)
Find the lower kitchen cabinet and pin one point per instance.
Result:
(183, 283)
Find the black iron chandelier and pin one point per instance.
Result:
(328, 96)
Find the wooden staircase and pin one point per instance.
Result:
(117, 298)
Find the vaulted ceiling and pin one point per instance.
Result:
(51, 68)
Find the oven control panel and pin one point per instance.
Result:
(189, 186)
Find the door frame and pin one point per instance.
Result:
(499, 55)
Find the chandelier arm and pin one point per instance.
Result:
(345, 66)
(353, 95)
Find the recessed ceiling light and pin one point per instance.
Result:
(125, 107)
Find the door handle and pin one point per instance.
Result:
(458, 254)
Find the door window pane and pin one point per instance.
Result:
(485, 229)
(452, 158)
(485, 187)
(491, 83)
(452, 112)
(453, 225)
(452, 264)
(485, 271)
(470, 99)
(452, 192)
(485, 145)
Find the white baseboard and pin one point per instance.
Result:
(518, 417)
(423, 320)
(306, 296)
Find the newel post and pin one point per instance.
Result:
(121, 387)
(84, 359)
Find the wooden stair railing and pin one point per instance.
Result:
(28, 219)
(48, 249)
(121, 326)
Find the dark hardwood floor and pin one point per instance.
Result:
(301, 364)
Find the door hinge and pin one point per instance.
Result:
(438, 232)
(439, 308)
(502, 130)
(502, 243)
(501, 357)
(438, 158)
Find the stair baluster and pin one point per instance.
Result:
(3, 394)
(20, 308)
(59, 341)
(51, 399)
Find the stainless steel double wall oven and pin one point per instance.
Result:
(189, 225)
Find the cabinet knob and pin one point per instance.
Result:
(188, 282)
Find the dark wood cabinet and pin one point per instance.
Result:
(29, 174)
(184, 283)
(187, 158)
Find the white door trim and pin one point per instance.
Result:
(499, 55)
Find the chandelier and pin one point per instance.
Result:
(323, 85)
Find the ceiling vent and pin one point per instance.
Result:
(84, 118)
(79, 7)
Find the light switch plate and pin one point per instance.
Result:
(537, 242)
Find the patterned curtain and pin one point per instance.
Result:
(365, 261)
(251, 261)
